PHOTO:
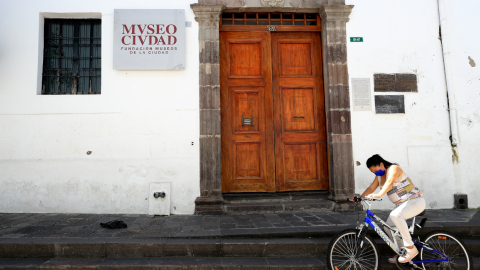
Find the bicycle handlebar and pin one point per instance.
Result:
(373, 199)
(358, 199)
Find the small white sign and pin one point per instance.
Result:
(149, 39)
(361, 94)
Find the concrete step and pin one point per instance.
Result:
(260, 203)
(180, 263)
(167, 263)
(275, 197)
(277, 206)
(146, 248)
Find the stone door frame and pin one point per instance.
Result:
(337, 98)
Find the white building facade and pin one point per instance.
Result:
(99, 153)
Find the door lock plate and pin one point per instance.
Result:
(247, 121)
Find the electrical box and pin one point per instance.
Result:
(159, 199)
(460, 201)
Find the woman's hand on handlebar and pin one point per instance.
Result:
(355, 199)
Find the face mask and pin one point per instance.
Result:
(380, 172)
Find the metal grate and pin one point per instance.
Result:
(72, 57)
(269, 19)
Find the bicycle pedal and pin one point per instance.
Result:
(416, 266)
(405, 266)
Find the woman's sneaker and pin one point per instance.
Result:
(393, 259)
(411, 253)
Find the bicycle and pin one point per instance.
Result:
(355, 249)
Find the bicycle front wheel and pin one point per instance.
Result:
(450, 246)
(343, 247)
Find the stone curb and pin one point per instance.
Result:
(148, 248)
(180, 263)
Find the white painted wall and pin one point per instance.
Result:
(402, 36)
(464, 59)
(140, 129)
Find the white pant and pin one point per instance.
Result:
(398, 218)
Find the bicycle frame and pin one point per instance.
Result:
(370, 219)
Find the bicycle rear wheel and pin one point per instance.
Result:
(451, 246)
(342, 248)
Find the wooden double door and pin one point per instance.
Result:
(272, 112)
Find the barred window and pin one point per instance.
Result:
(270, 19)
(72, 57)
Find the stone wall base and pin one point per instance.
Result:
(209, 206)
(217, 206)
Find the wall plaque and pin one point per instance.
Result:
(399, 82)
(273, 3)
(389, 104)
(149, 39)
(361, 94)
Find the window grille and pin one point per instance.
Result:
(269, 19)
(72, 57)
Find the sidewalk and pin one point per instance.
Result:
(465, 223)
(292, 240)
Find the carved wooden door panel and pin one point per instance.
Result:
(272, 112)
(246, 112)
(299, 118)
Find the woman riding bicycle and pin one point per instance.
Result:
(408, 200)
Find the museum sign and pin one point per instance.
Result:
(149, 39)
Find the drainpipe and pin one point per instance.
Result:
(450, 96)
(446, 64)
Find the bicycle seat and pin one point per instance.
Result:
(422, 213)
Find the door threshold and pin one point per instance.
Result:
(275, 197)
(293, 201)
